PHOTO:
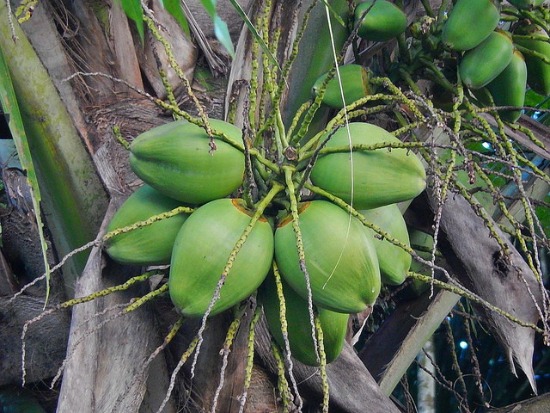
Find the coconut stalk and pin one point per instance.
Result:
(314, 57)
(389, 352)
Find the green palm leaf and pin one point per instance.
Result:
(8, 100)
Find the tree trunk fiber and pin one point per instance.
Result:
(504, 281)
(105, 355)
(45, 340)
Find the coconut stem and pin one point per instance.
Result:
(300, 247)
(323, 363)
(284, 325)
(107, 291)
(148, 221)
(229, 338)
(249, 358)
(147, 297)
(284, 390)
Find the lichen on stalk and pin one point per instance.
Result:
(147, 297)
(284, 325)
(371, 147)
(228, 343)
(110, 290)
(533, 263)
(296, 119)
(169, 92)
(517, 174)
(340, 119)
(253, 90)
(292, 194)
(509, 152)
(456, 365)
(527, 132)
(282, 313)
(179, 72)
(388, 84)
(322, 364)
(249, 358)
(118, 136)
(250, 188)
(410, 127)
(443, 183)
(148, 221)
(462, 291)
(282, 383)
(183, 359)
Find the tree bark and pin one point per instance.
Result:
(393, 347)
(540, 404)
(107, 349)
(504, 281)
(45, 341)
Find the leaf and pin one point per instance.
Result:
(335, 14)
(8, 101)
(533, 99)
(220, 26)
(543, 214)
(210, 7)
(174, 8)
(222, 34)
(133, 10)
